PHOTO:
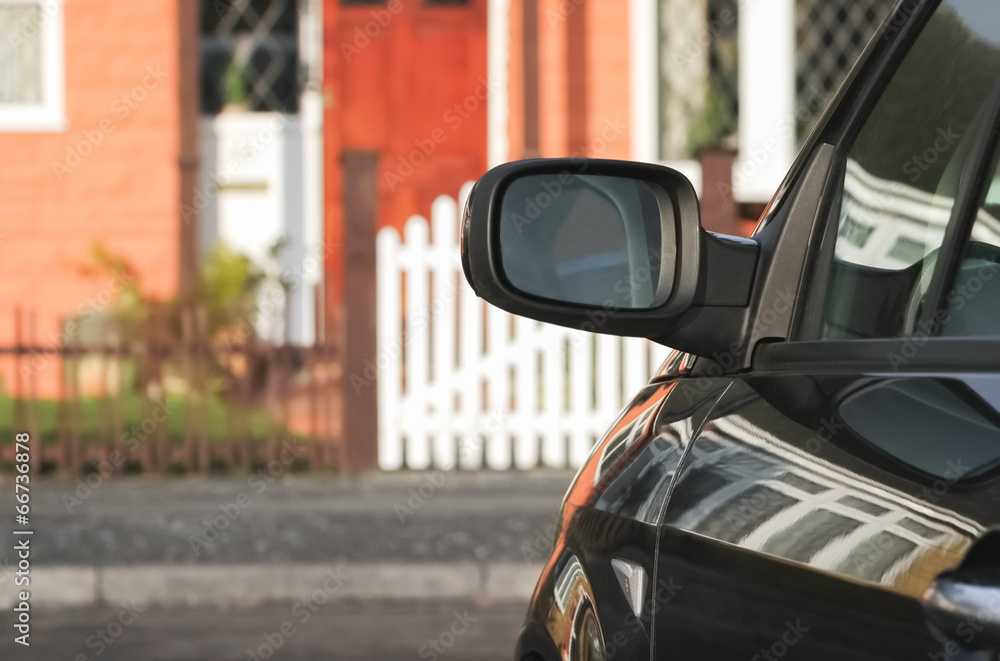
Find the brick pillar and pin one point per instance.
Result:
(719, 212)
(360, 405)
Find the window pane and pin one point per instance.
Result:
(903, 172)
(250, 56)
(974, 301)
(20, 54)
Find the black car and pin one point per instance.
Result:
(815, 473)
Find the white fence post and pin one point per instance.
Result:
(389, 357)
(525, 395)
(442, 311)
(544, 403)
(498, 450)
(416, 352)
(554, 396)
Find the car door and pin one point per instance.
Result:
(801, 527)
(840, 479)
(608, 523)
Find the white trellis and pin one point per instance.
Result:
(462, 384)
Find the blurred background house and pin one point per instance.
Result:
(92, 130)
(192, 190)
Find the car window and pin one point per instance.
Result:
(973, 304)
(902, 173)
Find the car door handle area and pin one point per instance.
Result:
(964, 606)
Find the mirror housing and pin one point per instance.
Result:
(675, 316)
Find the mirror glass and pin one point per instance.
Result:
(591, 240)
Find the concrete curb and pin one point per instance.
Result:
(247, 585)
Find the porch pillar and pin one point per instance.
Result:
(767, 98)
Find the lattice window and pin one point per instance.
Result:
(250, 55)
(31, 66)
(831, 35)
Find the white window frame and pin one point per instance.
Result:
(49, 116)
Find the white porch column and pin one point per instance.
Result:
(644, 80)
(310, 264)
(498, 60)
(307, 253)
(767, 98)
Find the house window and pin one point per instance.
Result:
(31, 66)
(250, 56)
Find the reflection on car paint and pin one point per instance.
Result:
(567, 581)
(640, 487)
(637, 463)
(677, 363)
(573, 596)
(769, 496)
(626, 488)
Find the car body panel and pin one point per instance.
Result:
(611, 511)
(787, 519)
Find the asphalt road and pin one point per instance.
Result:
(353, 632)
(312, 518)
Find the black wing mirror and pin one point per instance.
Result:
(605, 246)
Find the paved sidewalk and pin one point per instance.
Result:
(246, 540)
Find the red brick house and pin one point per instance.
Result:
(97, 142)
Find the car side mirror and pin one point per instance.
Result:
(604, 246)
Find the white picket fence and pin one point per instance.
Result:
(462, 384)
